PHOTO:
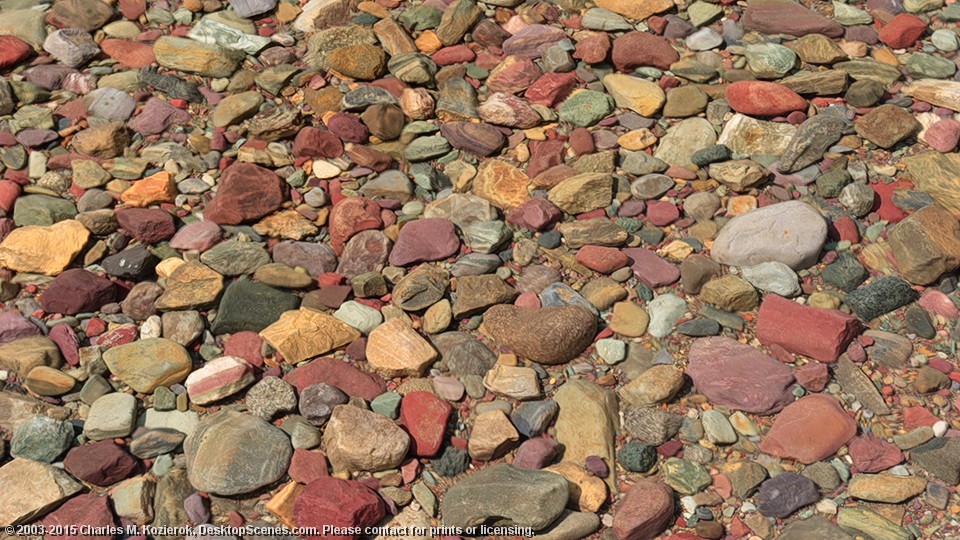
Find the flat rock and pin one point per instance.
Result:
(503, 495)
(727, 372)
(790, 436)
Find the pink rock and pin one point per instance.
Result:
(535, 214)
(761, 98)
(157, 116)
(14, 326)
(350, 216)
(871, 455)
(219, 378)
(425, 240)
(199, 235)
(601, 259)
(943, 136)
(348, 127)
(639, 49)
(339, 373)
(551, 88)
(246, 345)
(88, 512)
(649, 268)
(102, 463)
(527, 299)
(644, 512)
(792, 435)
(76, 291)
(536, 453)
(458, 54)
(819, 333)
(662, 213)
(68, 343)
(813, 376)
(307, 465)
(902, 31)
(939, 303)
(129, 53)
(513, 74)
(738, 376)
(425, 417)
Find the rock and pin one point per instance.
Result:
(902, 31)
(397, 350)
(729, 293)
(923, 262)
(779, 17)
(195, 57)
(790, 438)
(571, 525)
(758, 98)
(582, 192)
(501, 183)
(645, 511)
(814, 527)
(882, 295)
(111, 416)
(25, 354)
(477, 293)
(665, 310)
(345, 504)
(938, 458)
(136, 363)
(658, 384)
(88, 510)
(423, 240)
(554, 336)
(864, 521)
(30, 248)
(76, 291)
(247, 192)
(684, 139)
(102, 463)
(492, 436)
(41, 438)
(634, 93)
(502, 495)
(515, 382)
(719, 367)
(218, 379)
(39, 487)
(785, 493)
(791, 233)
(887, 125)
(808, 145)
(305, 333)
(885, 488)
(819, 333)
(479, 139)
(425, 417)
(359, 440)
(587, 423)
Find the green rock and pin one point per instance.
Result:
(41, 438)
(866, 522)
(636, 457)
(248, 306)
(684, 476)
(832, 182)
(387, 404)
(426, 498)
(848, 15)
(845, 273)
(769, 60)
(29, 93)
(585, 108)
(42, 210)
(424, 148)
(164, 399)
(921, 6)
(702, 13)
(871, 70)
(235, 258)
(923, 65)
(421, 17)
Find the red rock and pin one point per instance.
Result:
(649, 268)
(788, 18)
(645, 511)
(458, 54)
(199, 235)
(943, 136)
(886, 209)
(544, 155)
(371, 158)
(246, 345)
(550, 89)
(581, 141)
(845, 228)
(149, 225)
(132, 9)
(535, 214)
(662, 213)
(639, 49)
(761, 98)
(738, 376)
(247, 192)
(13, 50)
(338, 503)
(425, 417)
(348, 127)
(819, 333)
(156, 116)
(350, 216)
(939, 303)
(425, 240)
(601, 259)
(77, 290)
(67, 342)
(102, 463)
(513, 74)
(813, 376)
(307, 465)
(593, 48)
(344, 376)
(917, 416)
(129, 53)
(871, 455)
(79, 517)
(811, 429)
(902, 31)
(9, 191)
(316, 143)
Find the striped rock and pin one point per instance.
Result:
(219, 378)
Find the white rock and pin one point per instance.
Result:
(791, 233)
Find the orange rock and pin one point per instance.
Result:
(157, 188)
(501, 183)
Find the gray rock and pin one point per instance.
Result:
(664, 312)
(790, 232)
(571, 526)
(41, 438)
(252, 8)
(814, 527)
(881, 296)
(774, 277)
(110, 417)
(503, 495)
(811, 141)
(271, 396)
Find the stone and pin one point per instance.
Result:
(30, 248)
(102, 463)
(501, 183)
(634, 93)
(425, 417)
(880, 296)
(40, 487)
(41, 438)
(585, 108)
(759, 98)
(111, 416)
(305, 333)
(231, 453)
(785, 493)
(492, 436)
(195, 57)
(345, 504)
(865, 521)
(780, 17)
(587, 422)
(885, 488)
(819, 333)
(739, 175)
(554, 335)
(146, 364)
(397, 350)
(645, 511)
(424, 240)
(76, 291)
(337, 373)
(218, 379)
(790, 439)
(887, 125)
(503, 495)
(812, 139)
(902, 31)
(25, 354)
(791, 233)
(656, 385)
(924, 244)
(246, 192)
(191, 285)
(515, 382)
(730, 293)
(359, 440)
(719, 366)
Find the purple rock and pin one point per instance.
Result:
(14, 326)
(866, 34)
(197, 509)
(316, 259)
(536, 453)
(597, 466)
(366, 251)
(199, 235)
(36, 137)
(318, 400)
(48, 76)
(424, 240)
(649, 268)
(156, 116)
(781, 495)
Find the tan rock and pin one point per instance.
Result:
(511, 381)
(22, 355)
(47, 381)
(192, 285)
(654, 386)
(885, 488)
(501, 183)
(194, 57)
(16, 408)
(154, 189)
(638, 95)
(587, 423)
(492, 436)
(43, 250)
(306, 333)
(31, 489)
(356, 439)
(583, 192)
(281, 504)
(730, 293)
(396, 350)
(288, 224)
(148, 363)
(926, 244)
(635, 9)
(235, 108)
(739, 174)
(629, 319)
(133, 499)
(587, 492)
(105, 141)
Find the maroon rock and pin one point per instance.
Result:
(79, 517)
(344, 376)
(478, 139)
(199, 235)
(943, 136)
(425, 417)
(872, 455)
(902, 31)
(425, 240)
(649, 268)
(639, 49)
(315, 258)
(761, 98)
(9, 191)
(535, 214)
(777, 17)
(330, 296)
(67, 341)
(368, 157)
(536, 453)
(158, 115)
(644, 512)
(316, 143)
(350, 216)
(544, 155)
(581, 141)
(307, 465)
(348, 127)
(247, 192)
(813, 376)
(513, 74)
(102, 463)
(338, 503)
(738, 376)
(458, 54)
(366, 251)
(551, 88)
(662, 213)
(593, 48)
(34, 138)
(791, 435)
(14, 326)
(866, 34)
(549, 178)
(13, 50)
(601, 259)
(149, 225)
(819, 333)
(76, 291)
(246, 345)
(532, 40)
(49, 76)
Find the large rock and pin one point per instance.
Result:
(503, 495)
(22, 355)
(245, 192)
(822, 334)
(938, 175)
(43, 250)
(31, 489)
(645, 511)
(231, 453)
(76, 291)
(345, 504)
(926, 244)
(356, 439)
(791, 436)
(791, 233)
(786, 17)
(306, 333)
(146, 364)
(550, 335)
(195, 57)
(588, 423)
(338, 373)
(738, 376)
(635, 9)
(397, 350)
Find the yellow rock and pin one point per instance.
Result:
(306, 333)
(638, 95)
(281, 504)
(287, 224)
(396, 350)
(583, 192)
(587, 492)
(501, 183)
(629, 319)
(43, 250)
(637, 139)
(635, 9)
(191, 285)
(156, 188)
(492, 436)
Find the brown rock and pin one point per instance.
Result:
(305, 333)
(192, 285)
(397, 350)
(926, 244)
(501, 183)
(645, 511)
(356, 439)
(105, 141)
(550, 335)
(23, 355)
(31, 489)
(492, 435)
(194, 57)
(361, 61)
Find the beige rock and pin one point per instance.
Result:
(306, 333)
(638, 95)
(47, 381)
(288, 224)
(636, 9)
(587, 492)
(192, 285)
(885, 488)
(104, 141)
(501, 183)
(397, 350)
(43, 250)
(656, 385)
(583, 192)
(23, 355)
(515, 382)
(133, 499)
(356, 439)
(16, 408)
(31, 488)
(587, 423)
(730, 293)
(283, 501)
(235, 108)
(739, 174)
(148, 363)
(629, 319)
(194, 57)
(492, 436)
